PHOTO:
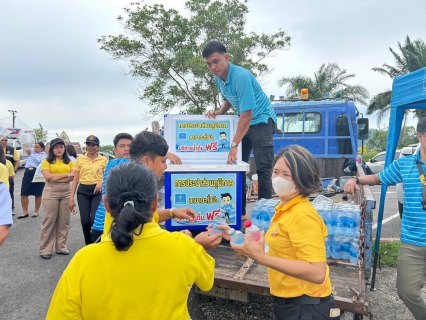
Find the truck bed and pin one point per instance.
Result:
(239, 273)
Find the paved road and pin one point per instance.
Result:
(27, 281)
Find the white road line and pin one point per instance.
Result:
(387, 220)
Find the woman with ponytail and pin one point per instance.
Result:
(146, 272)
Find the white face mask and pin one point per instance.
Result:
(283, 187)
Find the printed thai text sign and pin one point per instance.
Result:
(206, 193)
(203, 135)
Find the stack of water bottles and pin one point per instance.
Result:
(262, 213)
(342, 221)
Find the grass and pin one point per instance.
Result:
(388, 252)
(368, 155)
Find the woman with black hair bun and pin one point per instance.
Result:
(146, 272)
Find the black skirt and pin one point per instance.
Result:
(29, 188)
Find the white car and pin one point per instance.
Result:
(407, 151)
(377, 163)
(14, 143)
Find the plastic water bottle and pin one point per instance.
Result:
(339, 216)
(265, 221)
(271, 208)
(255, 213)
(356, 213)
(345, 247)
(237, 237)
(329, 220)
(252, 231)
(353, 251)
(335, 246)
(219, 220)
(359, 159)
(349, 220)
(328, 246)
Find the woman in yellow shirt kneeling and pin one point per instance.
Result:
(138, 270)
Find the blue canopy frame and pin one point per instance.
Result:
(408, 92)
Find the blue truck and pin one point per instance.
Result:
(328, 128)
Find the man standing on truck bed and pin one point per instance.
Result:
(411, 271)
(240, 89)
(13, 156)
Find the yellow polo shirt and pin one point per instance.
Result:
(91, 171)
(15, 154)
(4, 174)
(10, 168)
(297, 232)
(151, 280)
(57, 167)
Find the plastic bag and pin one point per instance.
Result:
(38, 175)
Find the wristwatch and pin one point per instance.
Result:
(234, 144)
(68, 175)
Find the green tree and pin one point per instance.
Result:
(329, 78)
(412, 57)
(107, 148)
(410, 137)
(41, 134)
(378, 141)
(164, 47)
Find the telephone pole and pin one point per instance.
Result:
(12, 112)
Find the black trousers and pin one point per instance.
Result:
(321, 311)
(95, 235)
(11, 189)
(259, 137)
(88, 204)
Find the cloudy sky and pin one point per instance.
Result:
(53, 72)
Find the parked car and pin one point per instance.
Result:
(107, 155)
(377, 163)
(407, 151)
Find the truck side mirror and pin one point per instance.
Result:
(363, 128)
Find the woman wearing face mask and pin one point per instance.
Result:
(297, 270)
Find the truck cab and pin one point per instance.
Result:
(328, 128)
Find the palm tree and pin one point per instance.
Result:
(411, 58)
(329, 78)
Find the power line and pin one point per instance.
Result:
(23, 122)
(12, 112)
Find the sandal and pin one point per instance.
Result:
(22, 217)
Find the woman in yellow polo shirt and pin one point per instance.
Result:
(298, 273)
(89, 170)
(9, 173)
(138, 270)
(58, 170)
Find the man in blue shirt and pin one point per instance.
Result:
(256, 125)
(411, 271)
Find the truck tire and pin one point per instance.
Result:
(400, 209)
